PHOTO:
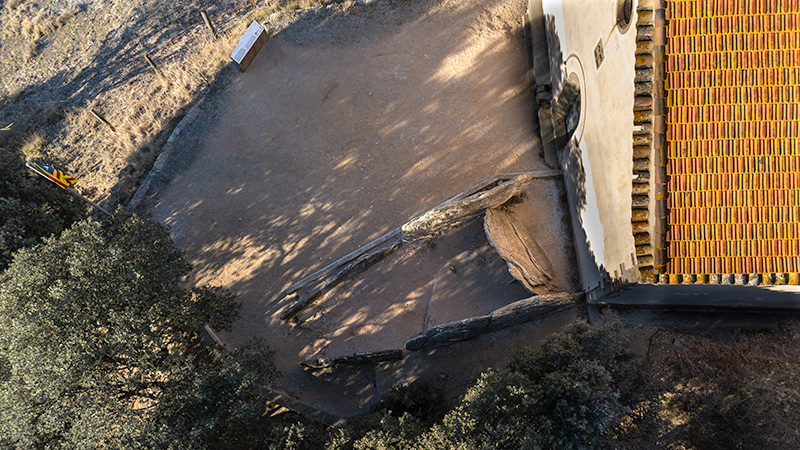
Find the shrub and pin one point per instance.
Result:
(31, 208)
(33, 145)
(739, 393)
(99, 347)
(563, 395)
(607, 343)
(418, 399)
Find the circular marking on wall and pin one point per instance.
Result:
(624, 15)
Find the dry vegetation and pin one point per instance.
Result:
(33, 145)
(140, 115)
(30, 22)
(739, 394)
(141, 105)
(719, 390)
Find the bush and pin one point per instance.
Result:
(418, 399)
(563, 395)
(498, 411)
(99, 347)
(735, 391)
(31, 208)
(606, 343)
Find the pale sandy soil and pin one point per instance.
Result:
(344, 127)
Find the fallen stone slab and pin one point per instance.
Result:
(355, 358)
(346, 269)
(450, 333)
(311, 412)
(457, 212)
(391, 235)
(529, 309)
(516, 313)
(527, 262)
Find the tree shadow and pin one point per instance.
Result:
(304, 158)
(555, 55)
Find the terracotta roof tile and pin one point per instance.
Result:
(733, 139)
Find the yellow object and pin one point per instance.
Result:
(56, 176)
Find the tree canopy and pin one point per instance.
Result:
(568, 393)
(30, 208)
(99, 347)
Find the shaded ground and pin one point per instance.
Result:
(722, 378)
(344, 127)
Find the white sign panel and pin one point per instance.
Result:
(246, 42)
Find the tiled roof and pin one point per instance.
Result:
(732, 86)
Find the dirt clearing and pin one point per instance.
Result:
(344, 127)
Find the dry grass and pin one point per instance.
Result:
(741, 394)
(13, 4)
(142, 112)
(33, 145)
(142, 109)
(29, 23)
(274, 6)
(32, 23)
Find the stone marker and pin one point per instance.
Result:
(516, 313)
(249, 45)
(450, 333)
(529, 309)
(346, 270)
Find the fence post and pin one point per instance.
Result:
(102, 119)
(153, 65)
(210, 25)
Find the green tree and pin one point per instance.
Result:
(30, 207)
(566, 394)
(99, 347)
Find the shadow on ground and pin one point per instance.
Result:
(344, 127)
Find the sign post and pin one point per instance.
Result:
(249, 45)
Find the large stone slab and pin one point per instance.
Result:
(529, 309)
(356, 358)
(516, 313)
(459, 211)
(344, 270)
(526, 260)
(450, 333)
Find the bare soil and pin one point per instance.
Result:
(345, 126)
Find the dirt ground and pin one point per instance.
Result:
(344, 127)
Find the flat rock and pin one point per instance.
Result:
(457, 212)
(526, 260)
(356, 358)
(529, 309)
